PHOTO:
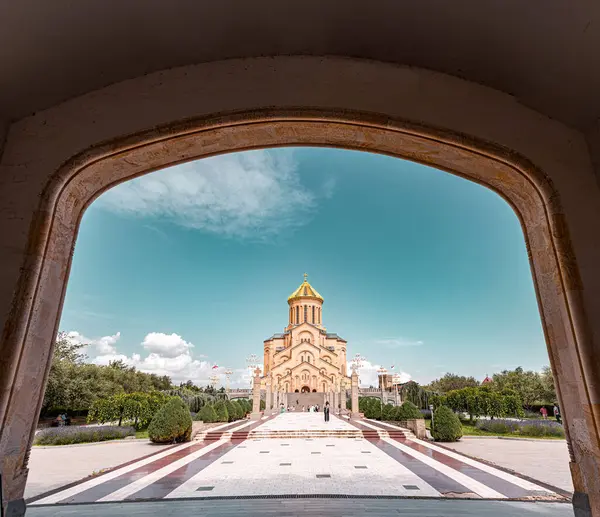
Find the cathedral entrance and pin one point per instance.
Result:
(305, 389)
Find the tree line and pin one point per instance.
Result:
(532, 388)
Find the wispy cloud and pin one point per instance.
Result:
(369, 376)
(253, 195)
(397, 342)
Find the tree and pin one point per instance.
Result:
(418, 395)
(447, 426)
(548, 386)
(137, 408)
(172, 423)
(239, 410)
(527, 384)
(452, 381)
(207, 414)
(408, 411)
(74, 385)
(221, 410)
(231, 411)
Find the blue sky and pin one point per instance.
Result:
(191, 266)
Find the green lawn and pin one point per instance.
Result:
(142, 434)
(471, 430)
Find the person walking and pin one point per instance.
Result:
(326, 411)
(557, 414)
(544, 412)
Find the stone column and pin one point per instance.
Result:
(268, 401)
(354, 388)
(255, 415)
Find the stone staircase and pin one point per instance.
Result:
(266, 434)
(259, 434)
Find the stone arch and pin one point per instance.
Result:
(85, 175)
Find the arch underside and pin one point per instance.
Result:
(519, 182)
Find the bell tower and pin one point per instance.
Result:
(305, 306)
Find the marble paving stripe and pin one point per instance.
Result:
(67, 494)
(112, 485)
(500, 485)
(165, 485)
(148, 479)
(440, 482)
(473, 485)
(223, 428)
(516, 480)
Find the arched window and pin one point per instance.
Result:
(305, 312)
(309, 358)
(297, 314)
(313, 313)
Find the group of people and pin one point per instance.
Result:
(311, 409)
(60, 420)
(556, 412)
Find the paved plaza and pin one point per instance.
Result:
(231, 463)
(546, 460)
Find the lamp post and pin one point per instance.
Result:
(357, 362)
(228, 373)
(382, 372)
(252, 364)
(214, 379)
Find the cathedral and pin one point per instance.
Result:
(305, 357)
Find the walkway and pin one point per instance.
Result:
(546, 460)
(375, 465)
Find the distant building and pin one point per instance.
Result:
(305, 357)
(487, 380)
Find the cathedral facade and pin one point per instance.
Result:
(305, 357)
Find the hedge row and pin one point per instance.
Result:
(81, 434)
(525, 428)
(224, 411)
(371, 407)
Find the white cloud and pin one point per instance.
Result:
(368, 376)
(166, 345)
(397, 342)
(167, 354)
(103, 346)
(252, 195)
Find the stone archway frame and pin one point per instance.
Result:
(37, 307)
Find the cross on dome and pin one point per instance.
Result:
(305, 291)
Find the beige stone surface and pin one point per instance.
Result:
(53, 467)
(546, 460)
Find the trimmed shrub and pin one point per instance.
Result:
(221, 410)
(172, 423)
(262, 405)
(231, 411)
(542, 428)
(533, 430)
(245, 404)
(207, 414)
(498, 426)
(447, 426)
(67, 435)
(387, 412)
(239, 411)
(408, 411)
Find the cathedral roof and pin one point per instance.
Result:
(305, 291)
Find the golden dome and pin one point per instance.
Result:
(305, 291)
